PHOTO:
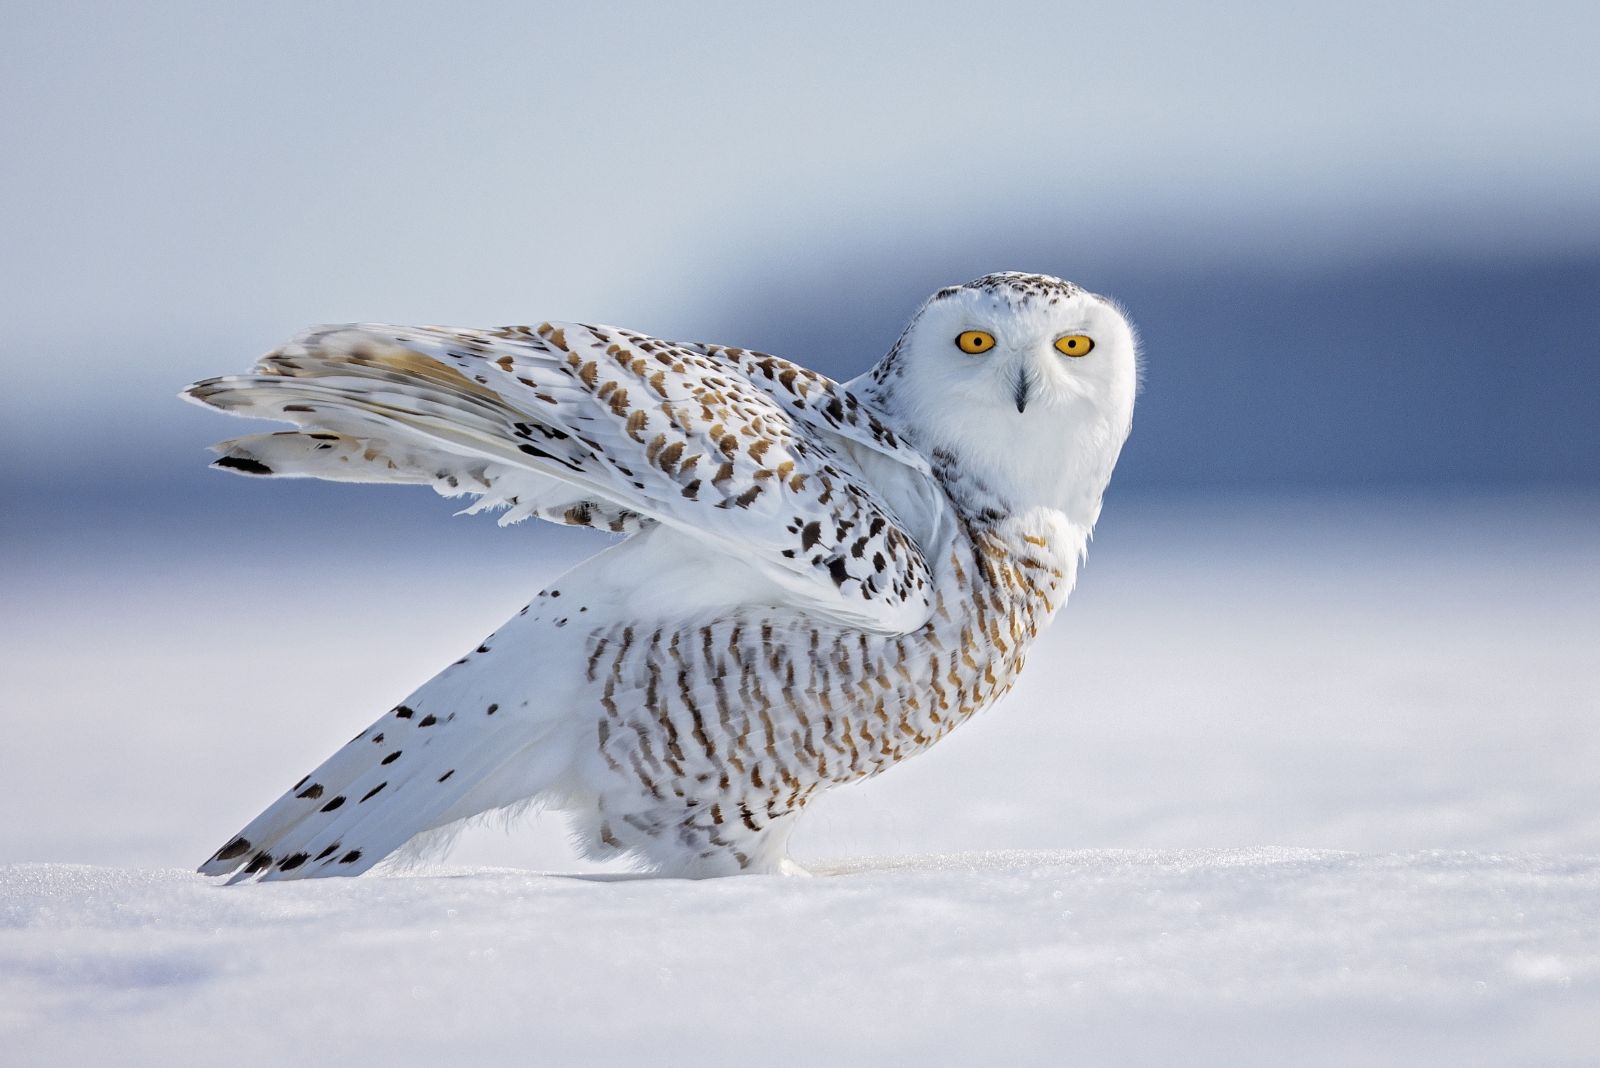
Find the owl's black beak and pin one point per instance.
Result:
(1020, 395)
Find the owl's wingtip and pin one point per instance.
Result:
(242, 465)
(199, 392)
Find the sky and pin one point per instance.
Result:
(188, 184)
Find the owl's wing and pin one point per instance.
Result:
(896, 470)
(605, 427)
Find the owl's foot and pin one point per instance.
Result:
(787, 866)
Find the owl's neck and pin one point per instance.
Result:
(993, 460)
(994, 518)
(1011, 472)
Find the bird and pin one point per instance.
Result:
(817, 579)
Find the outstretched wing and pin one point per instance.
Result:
(606, 427)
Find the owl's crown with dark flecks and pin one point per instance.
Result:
(1016, 285)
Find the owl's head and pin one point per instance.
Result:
(1028, 380)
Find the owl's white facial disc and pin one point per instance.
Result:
(987, 372)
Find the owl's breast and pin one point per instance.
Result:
(770, 705)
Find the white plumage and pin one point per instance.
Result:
(820, 579)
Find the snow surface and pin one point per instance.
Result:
(1047, 957)
(1298, 781)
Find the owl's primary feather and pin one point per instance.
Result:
(820, 579)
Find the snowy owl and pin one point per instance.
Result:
(818, 579)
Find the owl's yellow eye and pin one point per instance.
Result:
(974, 341)
(1074, 345)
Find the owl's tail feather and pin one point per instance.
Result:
(420, 767)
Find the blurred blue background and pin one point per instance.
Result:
(1362, 243)
(1344, 591)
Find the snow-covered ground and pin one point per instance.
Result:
(1289, 780)
(1185, 956)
